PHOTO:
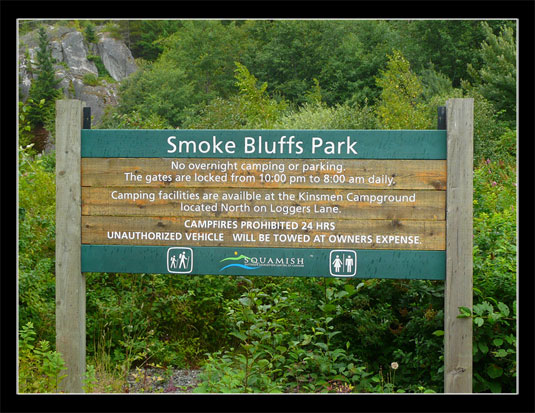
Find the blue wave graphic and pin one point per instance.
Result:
(239, 265)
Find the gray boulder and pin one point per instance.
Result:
(117, 58)
(75, 54)
(56, 51)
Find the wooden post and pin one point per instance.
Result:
(441, 118)
(458, 287)
(70, 282)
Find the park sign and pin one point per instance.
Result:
(324, 203)
(316, 203)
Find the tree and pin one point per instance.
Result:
(400, 106)
(90, 35)
(289, 54)
(496, 80)
(43, 89)
(259, 108)
(147, 37)
(348, 73)
(340, 54)
(44, 86)
(252, 108)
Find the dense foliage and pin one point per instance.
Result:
(277, 334)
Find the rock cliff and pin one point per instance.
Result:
(91, 72)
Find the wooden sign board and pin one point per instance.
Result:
(289, 203)
(341, 203)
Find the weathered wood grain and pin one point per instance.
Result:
(70, 282)
(458, 287)
(406, 174)
(349, 204)
(307, 233)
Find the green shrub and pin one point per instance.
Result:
(401, 315)
(218, 113)
(133, 120)
(320, 116)
(276, 352)
(113, 29)
(91, 80)
(25, 127)
(401, 105)
(154, 318)
(37, 243)
(494, 350)
(494, 310)
(39, 366)
(102, 71)
(488, 129)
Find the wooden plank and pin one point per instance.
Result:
(246, 173)
(428, 265)
(272, 144)
(458, 286)
(70, 282)
(305, 233)
(324, 204)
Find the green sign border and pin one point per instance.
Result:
(398, 264)
(371, 144)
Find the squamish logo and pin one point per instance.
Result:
(253, 263)
(236, 264)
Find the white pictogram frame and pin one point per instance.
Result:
(335, 273)
(189, 264)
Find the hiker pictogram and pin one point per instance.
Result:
(179, 260)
